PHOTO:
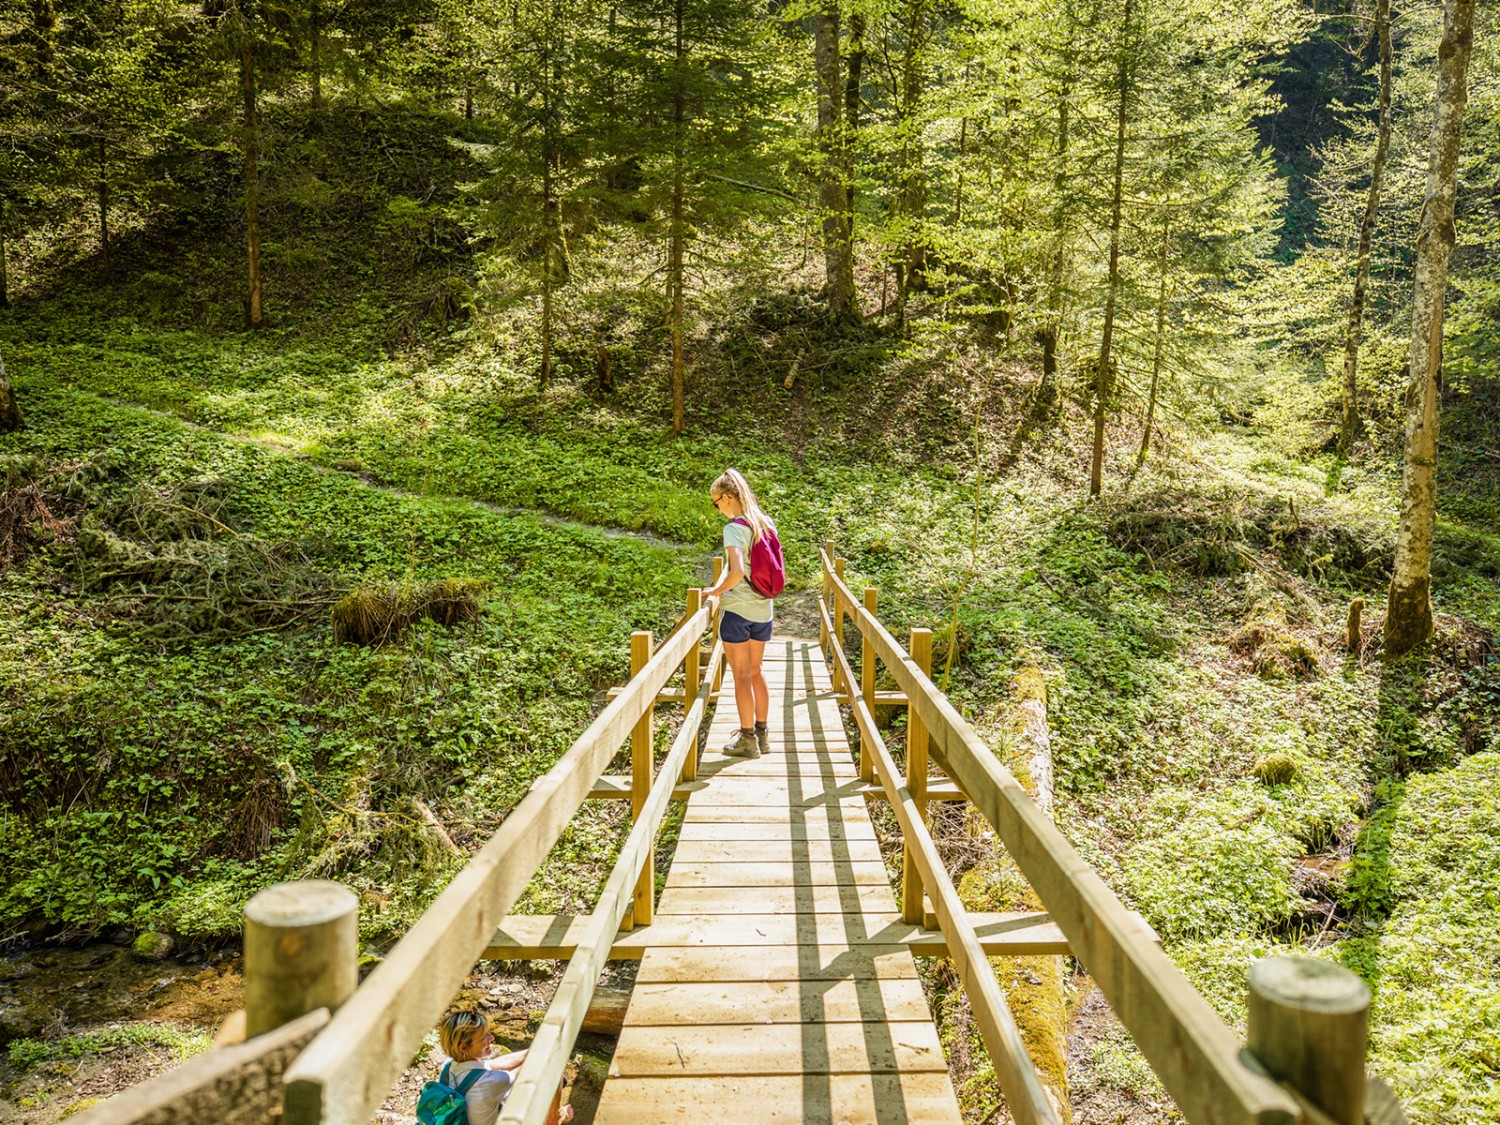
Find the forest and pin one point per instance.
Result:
(365, 365)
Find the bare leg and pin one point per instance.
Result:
(740, 664)
(757, 683)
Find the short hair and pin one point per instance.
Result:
(459, 1029)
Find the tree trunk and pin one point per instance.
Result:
(1353, 425)
(1047, 389)
(315, 17)
(1408, 620)
(103, 206)
(1161, 336)
(4, 268)
(853, 98)
(10, 409)
(679, 233)
(1103, 372)
(255, 315)
(912, 264)
(549, 209)
(834, 197)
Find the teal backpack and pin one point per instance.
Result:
(442, 1104)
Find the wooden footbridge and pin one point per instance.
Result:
(776, 979)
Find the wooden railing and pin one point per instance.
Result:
(1197, 1057)
(346, 1072)
(1307, 1018)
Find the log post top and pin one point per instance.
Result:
(1308, 984)
(307, 902)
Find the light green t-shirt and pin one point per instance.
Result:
(743, 599)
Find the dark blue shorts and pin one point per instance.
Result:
(736, 630)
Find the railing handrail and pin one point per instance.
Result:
(1024, 1095)
(346, 1071)
(538, 1078)
(1193, 1052)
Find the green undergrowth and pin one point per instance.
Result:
(184, 1043)
(173, 776)
(158, 776)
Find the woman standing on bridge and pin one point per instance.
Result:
(754, 576)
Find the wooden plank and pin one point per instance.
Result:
(836, 1048)
(347, 1070)
(1193, 1052)
(845, 1099)
(784, 792)
(808, 961)
(840, 770)
(836, 830)
(616, 787)
(797, 899)
(532, 1090)
(666, 695)
(803, 812)
(555, 937)
(683, 1003)
(791, 852)
(730, 874)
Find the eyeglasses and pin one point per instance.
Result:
(716, 499)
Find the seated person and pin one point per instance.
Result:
(466, 1038)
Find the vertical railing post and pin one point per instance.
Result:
(1309, 1027)
(641, 744)
(912, 910)
(838, 624)
(867, 685)
(713, 638)
(692, 679)
(301, 951)
(823, 635)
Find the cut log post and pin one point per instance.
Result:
(301, 951)
(1309, 1027)
(1353, 638)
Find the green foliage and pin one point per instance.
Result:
(1433, 963)
(184, 1043)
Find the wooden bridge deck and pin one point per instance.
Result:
(765, 991)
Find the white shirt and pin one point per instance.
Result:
(488, 1093)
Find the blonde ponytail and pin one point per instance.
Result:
(733, 483)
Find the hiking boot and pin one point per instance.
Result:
(763, 738)
(745, 745)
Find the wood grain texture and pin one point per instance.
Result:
(763, 983)
(1194, 1053)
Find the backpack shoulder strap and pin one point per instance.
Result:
(469, 1079)
(443, 1073)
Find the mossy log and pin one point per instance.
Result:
(1034, 986)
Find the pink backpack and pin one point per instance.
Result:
(767, 566)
